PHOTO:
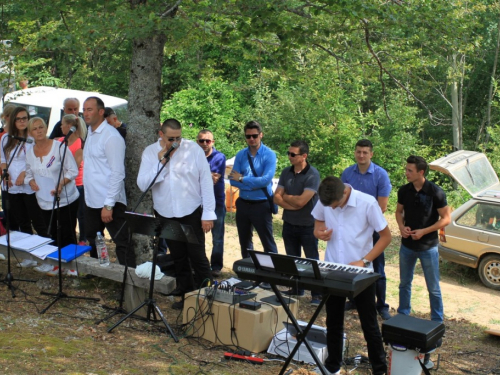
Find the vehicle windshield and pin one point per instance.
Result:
(37, 111)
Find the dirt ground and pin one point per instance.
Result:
(67, 339)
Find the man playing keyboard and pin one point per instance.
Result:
(346, 219)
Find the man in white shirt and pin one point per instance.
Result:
(182, 192)
(346, 219)
(103, 178)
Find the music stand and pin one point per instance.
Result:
(9, 278)
(159, 228)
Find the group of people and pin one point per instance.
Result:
(345, 212)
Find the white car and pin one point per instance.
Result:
(47, 102)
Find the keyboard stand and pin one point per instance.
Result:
(301, 333)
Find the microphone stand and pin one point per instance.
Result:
(9, 278)
(60, 294)
(150, 302)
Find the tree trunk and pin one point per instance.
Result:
(144, 104)
(455, 110)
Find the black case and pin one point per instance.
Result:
(413, 333)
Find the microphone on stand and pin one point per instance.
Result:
(21, 139)
(172, 148)
(71, 131)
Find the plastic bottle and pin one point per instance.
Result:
(102, 250)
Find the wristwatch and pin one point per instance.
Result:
(366, 262)
(240, 179)
(109, 208)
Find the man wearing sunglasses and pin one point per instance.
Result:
(252, 206)
(297, 193)
(217, 162)
(421, 211)
(373, 180)
(182, 192)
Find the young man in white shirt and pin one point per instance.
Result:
(182, 192)
(346, 219)
(103, 178)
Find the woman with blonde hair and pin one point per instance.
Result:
(43, 163)
(76, 142)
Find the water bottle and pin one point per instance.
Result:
(102, 250)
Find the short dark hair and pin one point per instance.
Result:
(100, 103)
(205, 131)
(364, 143)
(252, 125)
(108, 111)
(171, 123)
(302, 146)
(330, 190)
(419, 162)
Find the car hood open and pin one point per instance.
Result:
(473, 171)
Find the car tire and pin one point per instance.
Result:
(489, 271)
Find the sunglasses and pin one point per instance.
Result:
(292, 154)
(254, 136)
(172, 139)
(207, 141)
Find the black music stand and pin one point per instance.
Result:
(9, 278)
(285, 265)
(159, 228)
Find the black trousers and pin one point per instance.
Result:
(67, 223)
(187, 255)
(94, 224)
(365, 304)
(27, 212)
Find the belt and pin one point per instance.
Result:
(252, 202)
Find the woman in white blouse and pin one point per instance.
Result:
(43, 163)
(23, 206)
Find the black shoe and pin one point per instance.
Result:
(349, 305)
(178, 305)
(384, 314)
(293, 293)
(265, 285)
(216, 273)
(176, 293)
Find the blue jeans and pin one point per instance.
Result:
(216, 260)
(429, 259)
(81, 214)
(296, 237)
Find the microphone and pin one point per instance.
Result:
(71, 131)
(172, 148)
(27, 140)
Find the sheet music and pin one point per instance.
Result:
(42, 251)
(30, 243)
(14, 236)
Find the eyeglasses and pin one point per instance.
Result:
(174, 139)
(292, 154)
(207, 141)
(22, 119)
(254, 136)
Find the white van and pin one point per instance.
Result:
(47, 102)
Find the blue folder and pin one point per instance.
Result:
(69, 253)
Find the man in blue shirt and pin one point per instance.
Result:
(217, 162)
(373, 180)
(252, 206)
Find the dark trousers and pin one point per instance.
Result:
(298, 237)
(381, 284)
(256, 214)
(186, 255)
(67, 223)
(365, 303)
(13, 225)
(81, 214)
(94, 224)
(27, 212)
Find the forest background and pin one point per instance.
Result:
(415, 77)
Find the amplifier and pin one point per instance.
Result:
(228, 296)
(413, 333)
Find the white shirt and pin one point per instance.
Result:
(183, 185)
(17, 166)
(353, 226)
(45, 171)
(104, 167)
